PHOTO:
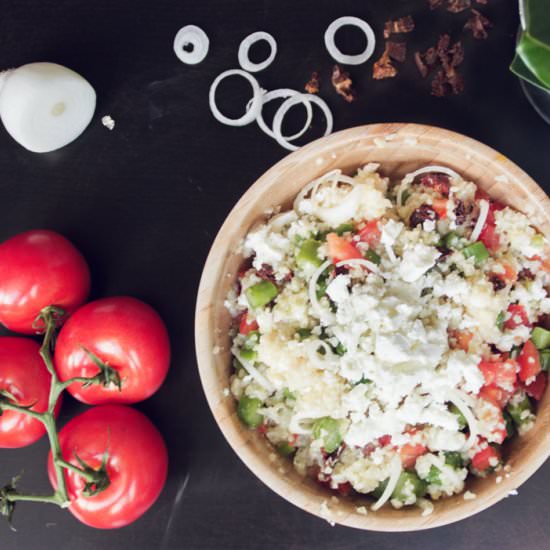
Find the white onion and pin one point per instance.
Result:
(45, 106)
(333, 50)
(312, 292)
(278, 94)
(481, 219)
(459, 400)
(254, 372)
(395, 472)
(314, 184)
(359, 261)
(255, 108)
(194, 36)
(427, 169)
(286, 105)
(295, 424)
(244, 60)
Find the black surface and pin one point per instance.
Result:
(144, 202)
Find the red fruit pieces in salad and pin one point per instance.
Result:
(339, 249)
(529, 363)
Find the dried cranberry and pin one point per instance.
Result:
(462, 211)
(421, 214)
(438, 182)
(266, 273)
(497, 282)
(526, 275)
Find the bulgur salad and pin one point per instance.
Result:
(388, 335)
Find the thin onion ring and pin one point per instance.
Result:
(434, 168)
(395, 473)
(244, 60)
(251, 114)
(286, 105)
(481, 219)
(333, 50)
(191, 34)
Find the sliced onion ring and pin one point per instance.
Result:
(196, 37)
(333, 50)
(436, 168)
(283, 109)
(283, 93)
(244, 48)
(255, 108)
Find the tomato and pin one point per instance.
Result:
(499, 373)
(37, 269)
(529, 362)
(495, 395)
(485, 459)
(384, 440)
(339, 249)
(536, 388)
(124, 333)
(518, 317)
(438, 182)
(24, 375)
(371, 233)
(410, 452)
(461, 339)
(137, 464)
(440, 208)
(246, 327)
(488, 236)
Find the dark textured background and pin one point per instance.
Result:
(144, 202)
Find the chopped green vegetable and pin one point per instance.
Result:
(251, 340)
(261, 294)
(287, 394)
(541, 337)
(322, 283)
(460, 417)
(344, 228)
(247, 411)
(544, 358)
(433, 476)
(537, 241)
(454, 459)
(500, 320)
(405, 197)
(340, 349)
(248, 355)
(450, 240)
(327, 429)
(308, 254)
(377, 493)
(401, 491)
(285, 449)
(303, 333)
(476, 250)
(510, 429)
(516, 410)
(372, 256)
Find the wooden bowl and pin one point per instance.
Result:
(400, 148)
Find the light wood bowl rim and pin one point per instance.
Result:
(245, 443)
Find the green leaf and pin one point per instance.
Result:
(520, 69)
(536, 56)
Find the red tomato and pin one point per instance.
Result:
(384, 440)
(488, 236)
(499, 373)
(37, 269)
(246, 327)
(371, 233)
(339, 249)
(345, 489)
(536, 389)
(24, 375)
(481, 461)
(440, 208)
(518, 317)
(124, 333)
(137, 464)
(410, 452)
(529, 363)
(498, 396)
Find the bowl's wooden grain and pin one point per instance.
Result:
(400, 148)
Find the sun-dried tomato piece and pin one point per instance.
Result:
(457, 6)
(343, 84)
(383, 68)
(313, 84)
(447, 79)
(421, 214)
(397, 50)
(478, 24)
(398, 26)
(526, 275)
(435, 4)
(462, 212)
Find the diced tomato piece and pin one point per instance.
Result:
(488, 235)
(440, 208)
(371, 233)
(384, 440)
(483, 460)
(499, 373)
(246, 327)
(518, 317)
(410, 452)
(344, 488)
(462, 339)
(536, 389)
(545, 264)
(262, 428)
(500, 433)
(529, 362)
(498, 396)
(510, 274)
(339, 249)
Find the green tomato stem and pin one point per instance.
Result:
(47, 499)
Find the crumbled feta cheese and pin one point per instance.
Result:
(108, 122)
(468, 495)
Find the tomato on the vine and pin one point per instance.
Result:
(39, 268)
(125, 334)
(25, 377)
(136, 463)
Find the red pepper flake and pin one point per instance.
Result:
(313, 84)
(384, 68)
(397, 50)
(478, 24)
(398, 26)
(343, 84)
(457, 6)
